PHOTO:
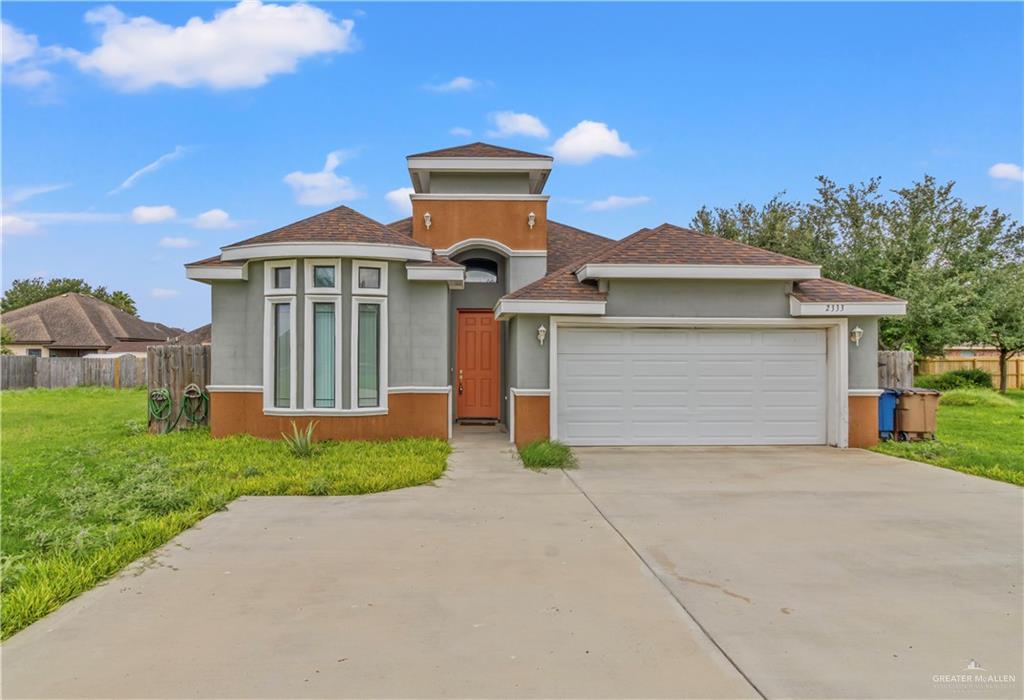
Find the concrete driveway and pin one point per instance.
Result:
(682, 572)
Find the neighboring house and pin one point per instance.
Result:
(75, 325)
(970, 352)
(199, 336)
(479, 308)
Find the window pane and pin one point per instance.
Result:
(282, 278)
(282, 355)
(369, 355)
(369, 278)
(323, 276)
(323, 355)
(481, 271)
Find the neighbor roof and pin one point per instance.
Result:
(478, 149)
(339, 225)
(197, 336)
(674, 245)
(75, 320)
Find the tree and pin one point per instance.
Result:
(6, 338)
(920, 243)
(28, 291)
(1000, 321)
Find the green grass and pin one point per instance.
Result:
(980, 432)
(86, 490)
(547, 454)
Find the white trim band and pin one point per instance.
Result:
(699, 272)
(531, 392)
(236, 388)
(866, 392)
(217, 272)
(419, 390)
(476, 197)
(507, 307)
(489, 244)
(847, 308)
(307, 249)
(435, 274)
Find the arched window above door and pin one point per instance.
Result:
(481, 271)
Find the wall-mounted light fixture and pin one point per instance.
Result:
(531, 220)
(426, 220)
(856, 334)
(542, 333)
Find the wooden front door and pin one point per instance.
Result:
(477, 365)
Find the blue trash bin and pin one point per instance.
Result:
(887, 413)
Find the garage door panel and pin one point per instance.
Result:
(691, 386)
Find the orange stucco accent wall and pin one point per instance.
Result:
(505, 221)
(409, 415)
(863, 421)
(532, 419)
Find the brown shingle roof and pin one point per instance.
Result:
(673, 245)
(79, 321)
(215, 261)
(826, 290)
(478, 149)
(436, 261)
(198, 336)
(402, 226)
(568, 243)
(339, 225)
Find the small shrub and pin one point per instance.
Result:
(300, 442)
(956, 379)
(547, 454)
(975, 397)
(134, 427)
(319, 487)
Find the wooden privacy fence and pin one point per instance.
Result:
(23, 372)
(178, 375)
(895, 369)
(1014, 368)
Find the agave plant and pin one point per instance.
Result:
(300, 442)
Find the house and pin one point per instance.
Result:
(197, 336)
(479, 308)
(75, 325)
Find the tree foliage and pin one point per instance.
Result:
(23, 292)
(1000, 318)
(920, 243)
(5, 339)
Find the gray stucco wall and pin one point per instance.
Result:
(698, 298)
(479, 183)
(417, 330)
(523, 269)
(530, 358)
(864, 359)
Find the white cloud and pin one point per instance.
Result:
(617, 202)
(460, 131)
(517, 123)
(399, 199)
(14, 225)
(176, 242)
(160, 162)
(458, 84)
(24, 59)
(242, 46)
(214, 218)
(589, 140)
(20, 194)
(1006, 171)
(153, 215)
(161, 293)
(326, 186)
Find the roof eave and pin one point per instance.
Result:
(549, 307)
(326, 249)
(839, 307)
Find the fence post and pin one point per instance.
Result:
(173, 368)
(895, 369)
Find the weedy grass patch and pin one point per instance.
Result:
(547, 454)
(86, 490)
(979, 432)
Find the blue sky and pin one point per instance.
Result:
(682, 105)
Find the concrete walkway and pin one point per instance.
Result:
(494, 582)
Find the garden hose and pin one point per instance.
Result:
(195, 406)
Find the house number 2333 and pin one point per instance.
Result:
(833, 308)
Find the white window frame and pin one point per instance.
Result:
(308, 398)
(382, 369)
(268, 352)
(381, 265)
(310, 263)
(268, 277)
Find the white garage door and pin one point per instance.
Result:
(649, 386)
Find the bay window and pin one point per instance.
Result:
(369, 357)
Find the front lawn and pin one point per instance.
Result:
(981, 437)
(86, 490)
